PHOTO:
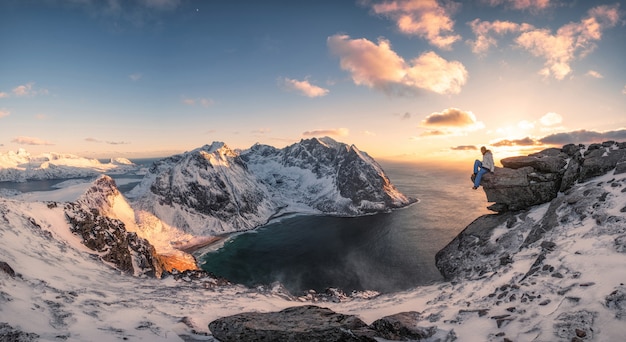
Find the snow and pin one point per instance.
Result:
(21, 166)
(63, 293)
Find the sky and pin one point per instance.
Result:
(420, 80)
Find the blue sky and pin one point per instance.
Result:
(418, 80)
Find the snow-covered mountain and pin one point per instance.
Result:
(567, 285)
(213, 189)
(21, 166)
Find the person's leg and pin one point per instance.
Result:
(479, 176)
(477, 165)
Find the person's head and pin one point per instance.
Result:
(483, 150)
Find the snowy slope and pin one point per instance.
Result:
(568, 285)
(21, 166)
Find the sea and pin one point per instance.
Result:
(387, 252)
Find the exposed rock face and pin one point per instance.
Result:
(301, 323)
(537, 178)
(109, 237)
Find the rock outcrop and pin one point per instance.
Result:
(296, 324)
(107, 236)
(313, 323)
(530, 180)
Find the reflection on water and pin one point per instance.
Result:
(386, 252)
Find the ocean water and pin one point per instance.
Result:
(384, 252)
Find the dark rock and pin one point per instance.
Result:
(571, 324)
(7, 269)
(109, 237)
(465, 255)
(402, 327)
(548, 164)
(571, 149)
(616, 301)
(8, 333)
(301, 323)
(520, 188)
(600, 161)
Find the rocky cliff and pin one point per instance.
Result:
(537, 178)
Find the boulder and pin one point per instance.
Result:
(516, 189)
(402, 327)
(301, 323)
(540, 162)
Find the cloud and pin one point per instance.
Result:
(521, 4)
(23, 90)
(583, 136)
(464, 148)
(594, 74)
(3, 95)
(427, 19)
(30, 141)
(204, 102)
(551, 119)
(528, 141)
(117, 142)
(135, 77)
(571, 41)
(92, 140)
(303, 87)
(378, 66)
(4, 113)
(26, 90)
(451, 121)
(406, 116)
(624, 90)
(484, 31)
(451, 117)
(340, 132)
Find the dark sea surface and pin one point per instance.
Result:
(384, 252)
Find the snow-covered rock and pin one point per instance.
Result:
(213, 189)
(21, 166)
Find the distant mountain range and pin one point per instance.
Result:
(21, 166)
(214, 189)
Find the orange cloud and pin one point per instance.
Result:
(484, 31)
(304, 87)
(570, 41)
(4, 113)
(451, 121)
(423, 18)
(451, 117)
(327, 132)
(30, 141)
(378, 66)
(464, 148)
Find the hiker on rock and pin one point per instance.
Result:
(480, 168)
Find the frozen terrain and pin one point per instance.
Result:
(569, 285)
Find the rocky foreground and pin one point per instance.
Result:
(549, 266)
